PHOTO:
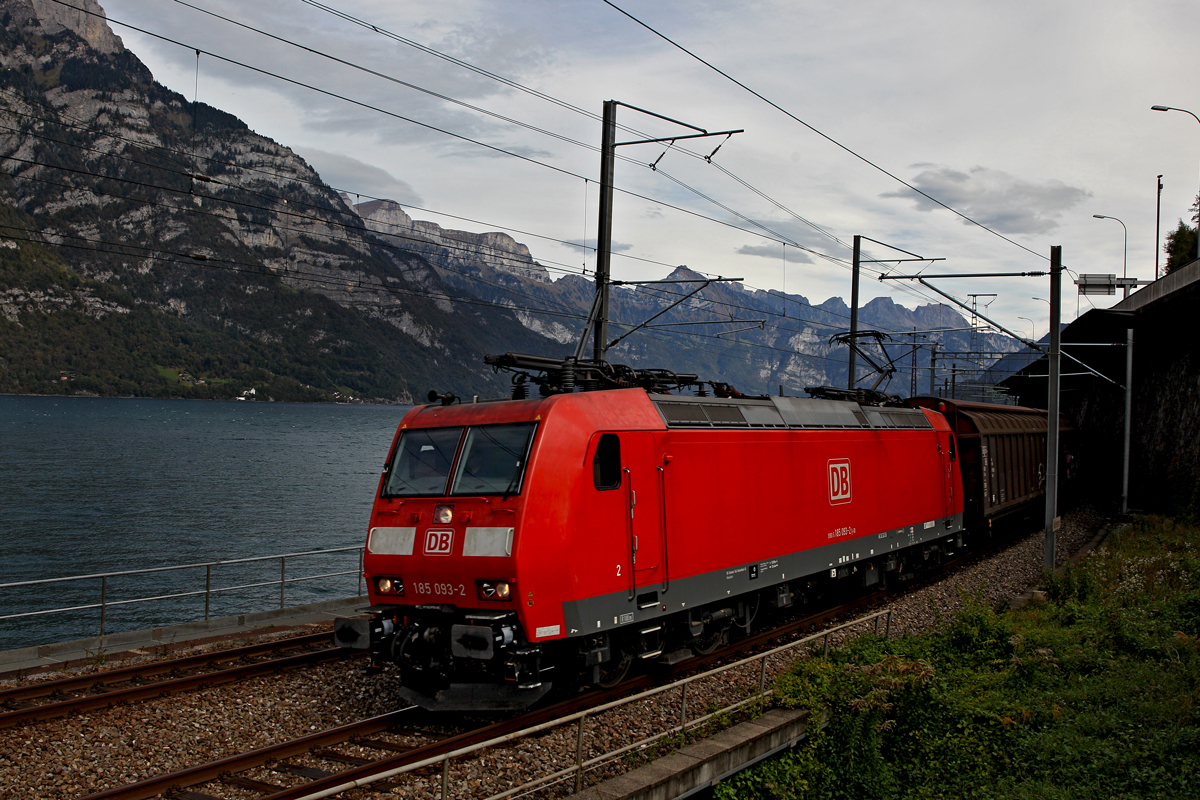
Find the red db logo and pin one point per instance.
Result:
(437, 543)
(839, 481)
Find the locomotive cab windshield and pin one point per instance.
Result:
(490, 461)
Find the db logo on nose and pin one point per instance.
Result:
(839, 481)
(437, 543)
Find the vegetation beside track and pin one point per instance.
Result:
(1092, 693)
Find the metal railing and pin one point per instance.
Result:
(581, 766)
(208, 591)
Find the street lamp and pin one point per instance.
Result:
(1184, 110)
(1032, 327)
(1125, 264)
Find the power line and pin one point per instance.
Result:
(356, 227)
(208, 262)
(446, 132)
(288, 212)
(828, 138)
(297, 178)
(327, 278)
(574, 108)
(779, 237)
(425, 125)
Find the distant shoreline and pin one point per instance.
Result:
(94, 396)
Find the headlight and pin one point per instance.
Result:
(442, 515)
(389, 585)
(494, 590)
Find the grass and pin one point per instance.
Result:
(1092, 694)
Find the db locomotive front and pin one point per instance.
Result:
(517, 544)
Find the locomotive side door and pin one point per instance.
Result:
(625, 511)
(948, 448)
(643, 497)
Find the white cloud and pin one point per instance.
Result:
(994, 198)
(353, 176)
(775, 252)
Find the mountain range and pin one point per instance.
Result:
(158, 247)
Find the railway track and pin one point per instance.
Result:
(55, 698)
(320, 761)
(339, 755)
(317, 762)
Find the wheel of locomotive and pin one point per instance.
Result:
(613, 671)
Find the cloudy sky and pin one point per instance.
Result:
(1025, 116)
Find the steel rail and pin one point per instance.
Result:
(202, 773)
(105, 696)
(72, 683)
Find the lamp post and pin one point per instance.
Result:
(1125, 261)
(1157, 224)
(1184, 110)
(1033, 336)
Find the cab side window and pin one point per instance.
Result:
(606, 465)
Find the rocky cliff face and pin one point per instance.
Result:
(193, 215)
(86, 20)
(232, 239)
(480, 251)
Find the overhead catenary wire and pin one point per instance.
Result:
(592, 115)
(777, 237)
(288, 212)
(204, 261)
(295, 214)
(326, 277)
(358, 227)
(434, 128)
(451, 134)
(823, 135)
(911, 291)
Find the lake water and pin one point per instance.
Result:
(91, 485)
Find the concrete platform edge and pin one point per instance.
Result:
(707, 762)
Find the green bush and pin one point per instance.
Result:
(1092, 694)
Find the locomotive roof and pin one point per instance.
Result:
(781, 412)
(678, 411)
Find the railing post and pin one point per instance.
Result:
(282, 578)
(103, 601)
(825, 655)
(579, 756)
(361, 556)
(207, 588)
(683, 708)
(762, 677)
(446, 778)
(887, 628)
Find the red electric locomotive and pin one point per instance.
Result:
(516, 543)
